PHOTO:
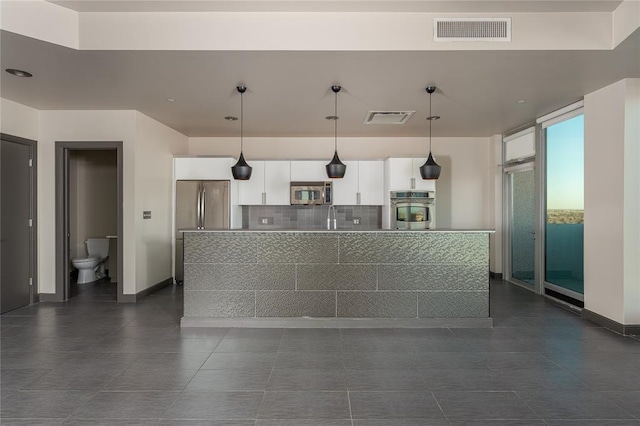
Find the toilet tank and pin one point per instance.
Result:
(98, 247)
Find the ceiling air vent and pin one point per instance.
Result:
(472, 29)
(388, 117)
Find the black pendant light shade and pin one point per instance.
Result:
(241, 170)
(430, 170)
(336, 168)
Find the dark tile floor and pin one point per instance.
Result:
(91, 361)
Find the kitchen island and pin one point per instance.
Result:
(245, 278)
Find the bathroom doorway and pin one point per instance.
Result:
(89, 221)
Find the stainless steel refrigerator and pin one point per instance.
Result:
(200, 204)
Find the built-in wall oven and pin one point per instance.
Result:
(413, 209)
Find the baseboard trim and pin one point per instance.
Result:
(495, 275)
(610, 324)
(128, 298)
(134, 298)
(49, 297)
(337, 322)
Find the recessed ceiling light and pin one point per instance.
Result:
(521, 101)
(231, 118)
(18, 73)
(171, 100)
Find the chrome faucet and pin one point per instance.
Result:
(335, 221)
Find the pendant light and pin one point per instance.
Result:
(241, 170)
(336, 168)
(430, 169)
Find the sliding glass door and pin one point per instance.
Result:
(544, 205)
(564, 206)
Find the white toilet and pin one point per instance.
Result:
(91, 268)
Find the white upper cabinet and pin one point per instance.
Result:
(362, 184)
(269, 184)
(206, 168)
(345, 189)
(278, 183)
(371, 183)
(309, 171)
(250, 191)
(404, 173)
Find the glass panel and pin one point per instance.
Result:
(307, 195)
(564, 242)
(523, 225)
(412, 214)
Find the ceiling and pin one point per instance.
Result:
(289, 92)
(434, 6)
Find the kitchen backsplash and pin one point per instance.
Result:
(310, 217)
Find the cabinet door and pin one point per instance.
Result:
(250, 191)
(345, 189)
(278, 182)
(309, 171)
(371, 182)
(400, 173)
(204, 168)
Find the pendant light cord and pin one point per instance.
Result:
(335, 123)
(430, 120)
(241, 121)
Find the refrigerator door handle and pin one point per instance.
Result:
(203, 208)
(199, 208)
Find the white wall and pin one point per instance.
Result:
(41, 20)
(155, 146)
(632, 202)
(19, 120)
(495, 194)
(464, 188)
(626, 19)
(304, 31)
(612, 202)
(83, 126)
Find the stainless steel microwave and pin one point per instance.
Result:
(311, 193)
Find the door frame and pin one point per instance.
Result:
(509, 169)
(33, 208)
(566, 296)
(62, 150)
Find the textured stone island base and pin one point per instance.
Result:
(424, 278)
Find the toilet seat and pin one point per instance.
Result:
(85, 260)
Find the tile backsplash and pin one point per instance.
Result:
(310, 217)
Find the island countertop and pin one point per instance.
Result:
(336, 278)
(444, 230)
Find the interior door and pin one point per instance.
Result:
(15, 228)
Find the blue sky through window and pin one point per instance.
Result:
(565, 165)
